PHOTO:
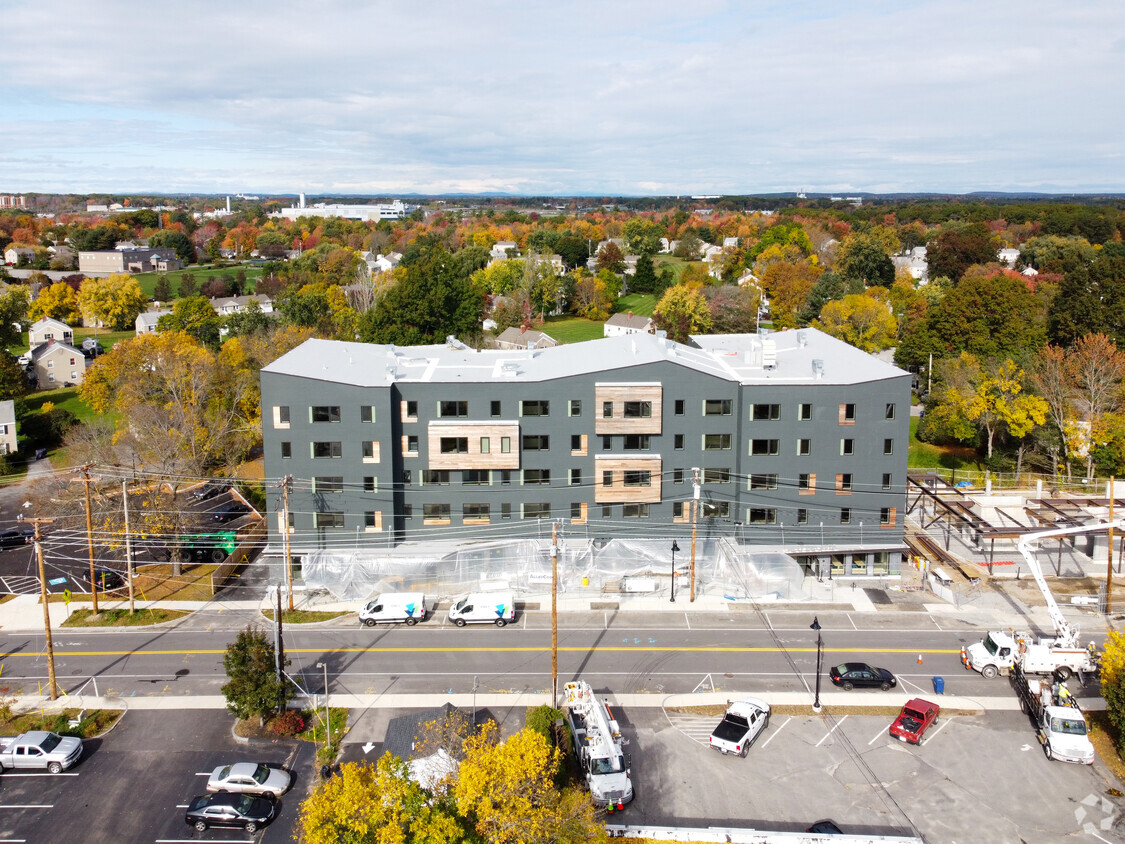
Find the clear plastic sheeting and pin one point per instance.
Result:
(628, 566)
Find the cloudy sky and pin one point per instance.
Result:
(607, 97)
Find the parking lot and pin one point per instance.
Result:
(133, 784)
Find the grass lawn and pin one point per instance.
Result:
(120, 617)
(64, 397)
(570, 329)
(94, 722)
(676, 265)
(155, 583)
(305, 616)
(201, 273)
(641, 304)
(926, 456)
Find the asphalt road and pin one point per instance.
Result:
(624, 653)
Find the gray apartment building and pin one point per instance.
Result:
(792, 441)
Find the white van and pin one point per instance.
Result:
(483, 608)
(392, 607)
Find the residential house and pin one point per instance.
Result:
(385, 263)
(226, 305)
(46, 329)
(619, 324)
(146, 322)
(503, 249)
(914, 262)
(14, 254)
(730, 243)
(58, 365)
(1008, 256)
(524, 338)
(8, 441)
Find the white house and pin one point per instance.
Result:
(13, 254)
(46, 329)
(628, 324)
(501, 248)
(8, 442)
(1008, 256)
(226, 305)
(146, 323)
(385, 263)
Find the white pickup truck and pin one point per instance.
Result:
(740, 726)
(40, 749)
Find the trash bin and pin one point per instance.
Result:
(939, 685)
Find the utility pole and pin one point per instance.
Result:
(86, 481)
(286, 482)
(128, 544)
(1109, 555)
(694, 514)
(554, 614)
(53, 688)
(279, 647)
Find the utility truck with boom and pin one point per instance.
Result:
(1061, 655)
(599, 748)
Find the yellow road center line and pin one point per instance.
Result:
(514, 649)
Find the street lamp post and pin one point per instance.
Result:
(675, 548)
(327, 722)
(819, 651)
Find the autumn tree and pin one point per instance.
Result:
(253, 687)
(734, 309)
(642, 237)
(862, 258)
(1112, 673)
(592, 298)
(958, 246)
(862, 321)
(193, 316)
(610, 258)
(787, 286)
(682, 312)
(13, 315)
(1096, 368)
(58, 301)
(114, 301)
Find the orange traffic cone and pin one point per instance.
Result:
(919, 659)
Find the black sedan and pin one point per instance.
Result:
(209, 490)
(229, 512)
(233, 810)
(106, 579)
(14, 538)
(851, 675)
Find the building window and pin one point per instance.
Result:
(804, 447)
(886, 480)
(679, 407)
(505, 477)
(889, 413)
(575, 442)
(453, 409)
(715, 510)
(575, 407)
(535, 408)
(716, 442)
(287, 450)
(454, 445)
(326, 450)
(767, 412)
(281, 416)
(884, 515)
(636, 442)
(888, 446)
(412, 410)
(847, 414)
(412, 444)
(408, 511)
(607, 478)
(474, 477)
(435, 513)
(847, 446)
(485, 445)
(373, 520)
(634, 511)
(370, 484)
(638, 478)
(607, 511)
(324, 413)
(505, 511)
(717, 407)
(761, 516)
(536, 442)
(763, 482)
(407, 477)
(804, 412)
(505, 445)
(716, 476)
(678, 509)
(677, 476)
(802, 516)
(845, 515)
(638, 410)
(607, 410)
(329, 520)
(678, 442)
(495, 408)
(370, 452)
(366, 413)
(536, 510)
(435, 477)
(326, 484)
(806, 483)
(763, 447)
(607, 442)
(576, 509)
(475, 512)
(576, 477)
(844, 482)
(536, 476)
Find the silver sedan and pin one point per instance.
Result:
(249, 778)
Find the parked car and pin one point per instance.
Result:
(230, 512)
(233, 810)
(916, 717)
(13, 538)
(107, 579)
(852, 675)
(40, 749)
(743, 722)
(249, 778)
(209, 490)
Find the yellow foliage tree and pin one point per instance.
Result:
(59, 301)
(682, 312)
(114, 301)
(860, 320)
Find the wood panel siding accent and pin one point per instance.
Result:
(581, 452)
(581, 520)
(891, 521)
(812, 486)
(473, 432)
(378, 526)
(618, 394)
(617, 492)
(843, 420)
(374, 458)
(840, 488)
(406, 452)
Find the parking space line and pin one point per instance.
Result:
(830, 732)
(687, 620)
(878, 736)
(935, 621)
(778, 730)
(945, 723)
(203, 773)
(8, 774)
(852, 620)
(181, 805)
(27, 805)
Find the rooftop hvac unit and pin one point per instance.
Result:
(818, 368)
(769, 353)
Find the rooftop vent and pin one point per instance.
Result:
(510, 367)
(392, 372)
(802, 338)
(818, 368)
(769, 353)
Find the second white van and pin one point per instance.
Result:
(391, 607)
(497, 608)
